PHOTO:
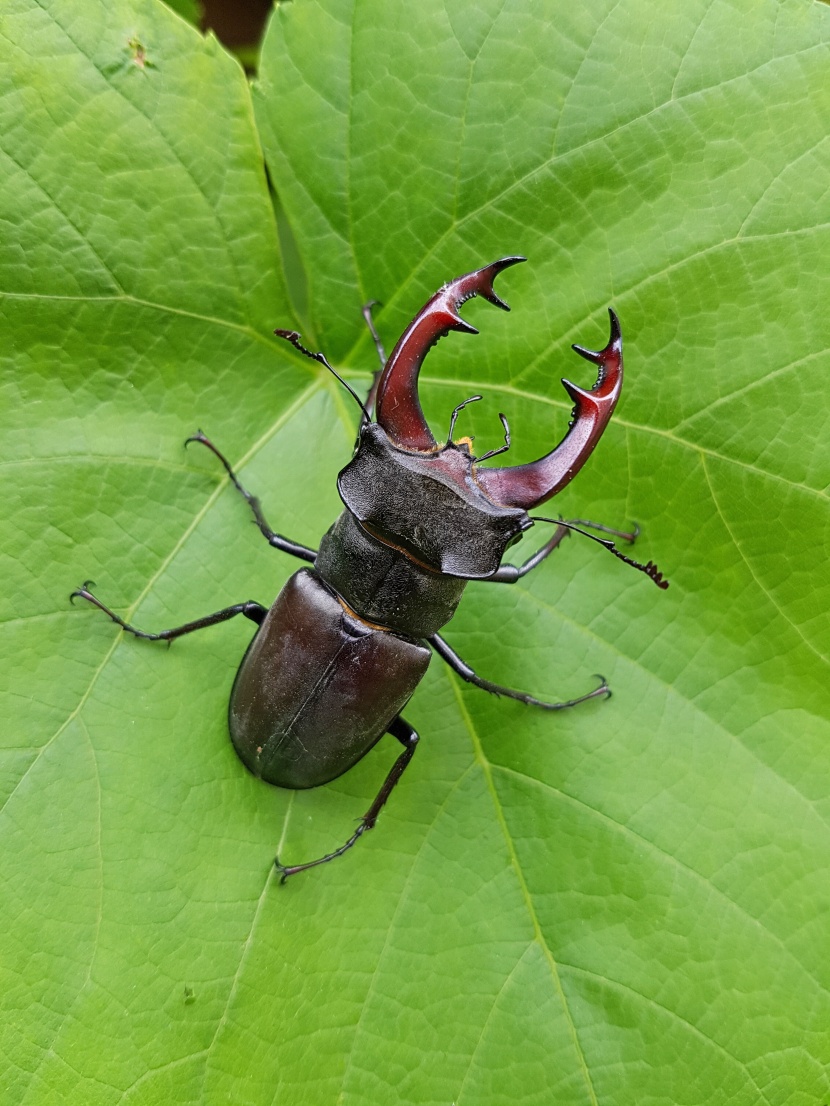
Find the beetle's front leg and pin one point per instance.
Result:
(277, 540)
(509, 574)
(408, 737)
(448, 654)
(370, 323)
(255, 611)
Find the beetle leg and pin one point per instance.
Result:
(255, 611)
(277, 540)
(509, 574)
(448, 654)
(408, 737)
(370, 322)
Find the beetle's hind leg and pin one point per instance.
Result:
(408, 737)
(448, 654)
(255, 611)
(277, 540)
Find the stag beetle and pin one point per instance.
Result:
(337, 657)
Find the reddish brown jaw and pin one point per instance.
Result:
(529, 485)
(525, 486)
(398, 407)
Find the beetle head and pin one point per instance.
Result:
(428, 503)
(436, 502)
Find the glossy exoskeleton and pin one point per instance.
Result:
(337, 657)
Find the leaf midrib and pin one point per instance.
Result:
(625, 830)
(524, 890)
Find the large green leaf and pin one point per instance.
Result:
(625, 904)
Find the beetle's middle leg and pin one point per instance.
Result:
(255, 611)
(509, 574)
(448, 654)
(277, 540)
(408, 737)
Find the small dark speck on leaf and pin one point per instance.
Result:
(189, 996)
(138, 53)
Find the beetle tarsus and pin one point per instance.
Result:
(603, 686)
(408, 737)
(82, 592)
(370, 323)
(287, 870)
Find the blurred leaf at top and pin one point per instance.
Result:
(191, 10)
(622, 905)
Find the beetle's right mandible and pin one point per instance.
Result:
(529, 485)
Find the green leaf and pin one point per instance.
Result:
(622, 904)
(191, 10)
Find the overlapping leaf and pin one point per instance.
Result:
(622, 905)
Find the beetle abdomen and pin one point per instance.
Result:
(317, 687)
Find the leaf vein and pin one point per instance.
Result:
(403, 290)
(789, 164)
(69, 221)
(493, 1007)
(622, 422)
(164, 565)
(758, 581)
(672, 690)
(613, 983)
(627, 831)
(392, 922)
(524, 889)
(134, 301)
(211, 208)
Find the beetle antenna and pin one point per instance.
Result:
(502, 448)
(651, 570)
(454, 415)
(294, 338)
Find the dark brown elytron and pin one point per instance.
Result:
(337, 657)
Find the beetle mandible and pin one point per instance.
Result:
(335, 660)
